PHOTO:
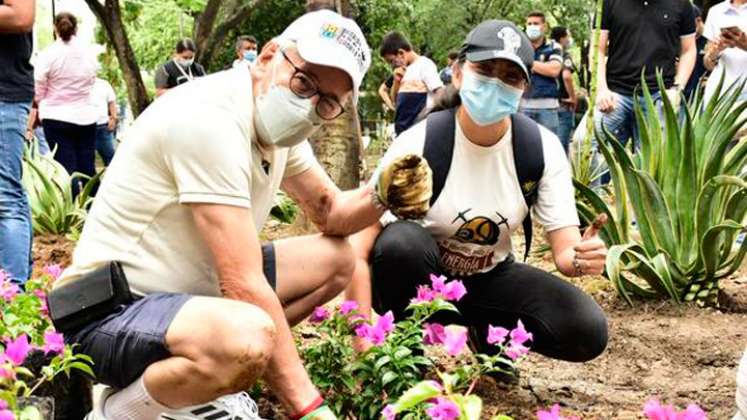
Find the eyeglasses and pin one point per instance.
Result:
(301, 84)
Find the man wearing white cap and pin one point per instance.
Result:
(179, 212)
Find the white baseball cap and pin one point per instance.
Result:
(329, 39)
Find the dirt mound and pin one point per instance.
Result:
(51, 249)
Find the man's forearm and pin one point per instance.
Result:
(351, 211)
(549, 69)
(685, 67)
(17, 16)
(285, 373)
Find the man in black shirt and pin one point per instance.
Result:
(644, 36)
(16, 95)
(566, 86)
(700, 43)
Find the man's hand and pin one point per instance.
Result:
(29, 135)
(606, 99)
(112, 124)
(405, 187)
(591, 252)
(734, 38)
(675, 97)
(571, 102)
(399, 73)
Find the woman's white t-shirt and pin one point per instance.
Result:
(481, 203)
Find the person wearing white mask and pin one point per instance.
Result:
(181, 69)
(206, 308)
(491, 167)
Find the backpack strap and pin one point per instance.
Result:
(530, 164)
(439, 147)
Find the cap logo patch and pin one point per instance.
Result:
(511, 40)
(347, 39)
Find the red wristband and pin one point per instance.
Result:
(318, 402)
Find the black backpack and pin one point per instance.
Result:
(528, 158)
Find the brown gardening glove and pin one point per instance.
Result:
(405, 187)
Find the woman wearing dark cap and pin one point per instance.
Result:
(490, 165)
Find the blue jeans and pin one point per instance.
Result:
(105, 143)
(621, 122)
(545, 117)
(567, 123)
(15, 215)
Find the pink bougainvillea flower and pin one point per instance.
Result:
(516, 351)
(42, 301)
(455, 340)
(53, 343)
(8, 290)
(454, 291)
(348, 306)
(443, 409)
(17, 350)
(388, 412)
(6, 415)
(519, 335)
(496, 335)
(654, 410)
(54, 271)
(438, 283)
(693, 412)
(320, 314)
(433, 334)
(362, 330)
(386, 322)
(553, 414)
(3, 405)
(425, 294)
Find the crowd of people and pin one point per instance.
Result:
(199, 307)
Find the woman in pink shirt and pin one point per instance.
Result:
(65, 75)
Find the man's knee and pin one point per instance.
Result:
(244, 337)
(401, 239)
(342, 261)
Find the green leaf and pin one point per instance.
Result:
(382, 362)
(388, 377)
(422, 391)
(470, 406)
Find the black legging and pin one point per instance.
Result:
(567, 324)
(76, 147)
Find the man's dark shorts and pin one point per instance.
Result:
(123, 344)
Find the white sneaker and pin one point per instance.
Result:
(98, 406)
(229, 407)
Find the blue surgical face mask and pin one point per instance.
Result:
(250, 55)
(534, 32)
(488, 100)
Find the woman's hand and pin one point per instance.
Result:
(591, 253)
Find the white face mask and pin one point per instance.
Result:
(281, 118)
(184, 62)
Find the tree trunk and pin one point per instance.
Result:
(337, 144)
(204, 24)
(216, 34)
(109, 15)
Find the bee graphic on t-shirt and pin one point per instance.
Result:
(479, 230)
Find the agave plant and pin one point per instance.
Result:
(688, 193)
(49, 189)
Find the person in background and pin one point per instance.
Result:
(446, 72)
(16, 96)
(540, 101)
(35, 131)
(105, 101)
(246, 50)
(726, 51)
(385, 93)
(65, 74)
(641, 36)
(566, 85)
(700, 44)
(180, 69)
(415, 80)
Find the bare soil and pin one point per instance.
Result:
(678, 353)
